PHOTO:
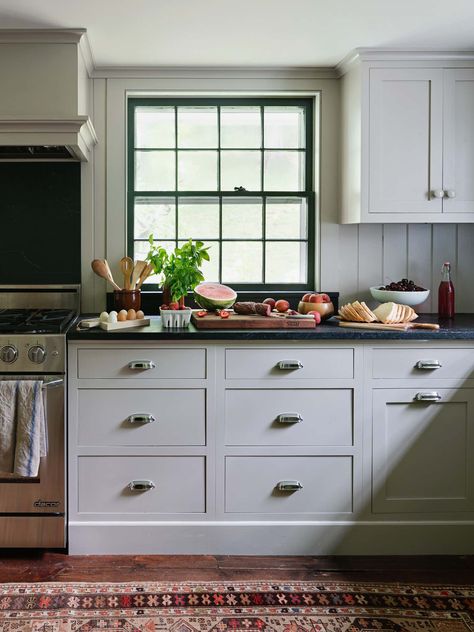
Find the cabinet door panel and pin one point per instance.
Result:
(422, 451)
(458, 165)
(405, 140)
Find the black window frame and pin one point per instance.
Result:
(308, 104)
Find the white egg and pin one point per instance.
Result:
(112, 317)
(104, 317)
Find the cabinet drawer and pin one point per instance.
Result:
(409, 363)
(289, 417)
(162, 417)
(251, 484)
(163, 363)
(104, 484)
(265, 363)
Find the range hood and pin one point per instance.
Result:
(28, 138)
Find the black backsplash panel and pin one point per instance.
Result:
(40, 222)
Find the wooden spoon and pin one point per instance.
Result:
(102, 269)
(144, 275)
(126, 265)
(137, 271)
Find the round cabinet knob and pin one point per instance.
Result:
(450, 193)
(437, 193)
(37, 354)
(8, 354)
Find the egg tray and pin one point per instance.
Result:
(125, 324)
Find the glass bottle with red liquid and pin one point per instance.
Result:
(446, 293)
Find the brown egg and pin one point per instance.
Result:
(122, 315)
(131, 314)
(140, 314)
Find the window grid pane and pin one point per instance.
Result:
(269, 245)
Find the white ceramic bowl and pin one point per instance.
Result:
(404, 298)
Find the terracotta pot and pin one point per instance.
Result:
(127, 299)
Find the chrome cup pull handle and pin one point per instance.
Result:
(141, 486)
(141, 365)
(290, 365)
(428, 365)
(289, 486)
(141, 418)
(289, 418)
(53, 383)
(431, 396)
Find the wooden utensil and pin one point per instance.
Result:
(384, 327)
(102, 269)
(144, 275)
(126, 265)
(137, 270)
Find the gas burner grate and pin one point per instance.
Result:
(35, 320)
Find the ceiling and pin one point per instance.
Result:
(246, 32)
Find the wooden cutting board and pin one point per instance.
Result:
(237, 321)
(383, 327)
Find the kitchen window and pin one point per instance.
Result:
(236, 174)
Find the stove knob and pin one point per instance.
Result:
(37, 354)
(8, 354)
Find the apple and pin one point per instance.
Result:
(282, 306)
(305, 298)
(270, 301)
(316, 316)
(316, 298)
(326, 298)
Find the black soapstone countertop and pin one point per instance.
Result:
(460, 328)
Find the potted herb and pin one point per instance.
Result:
(180, 272)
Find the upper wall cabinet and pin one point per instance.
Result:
(407, 142)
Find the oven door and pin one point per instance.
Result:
(43, 494)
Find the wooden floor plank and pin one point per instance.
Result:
(21, 566)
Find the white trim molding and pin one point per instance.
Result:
(412, 55)
(77, 133)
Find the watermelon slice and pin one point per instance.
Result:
(212, 296)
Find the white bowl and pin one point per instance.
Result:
(404, 298)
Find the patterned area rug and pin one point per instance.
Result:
(246, 607)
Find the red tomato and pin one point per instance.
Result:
(224, 314)
(201, 314)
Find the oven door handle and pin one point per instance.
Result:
(53, 383)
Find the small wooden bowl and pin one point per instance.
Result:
(325, 309)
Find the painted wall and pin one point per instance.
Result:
(350, 258)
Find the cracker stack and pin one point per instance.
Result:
(387, 313)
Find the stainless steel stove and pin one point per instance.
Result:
(33, 325)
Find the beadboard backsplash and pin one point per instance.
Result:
(377, 254)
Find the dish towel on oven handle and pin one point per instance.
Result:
(23, 438)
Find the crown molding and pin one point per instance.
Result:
(360, 55)
(214, 72)
(42, 36)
